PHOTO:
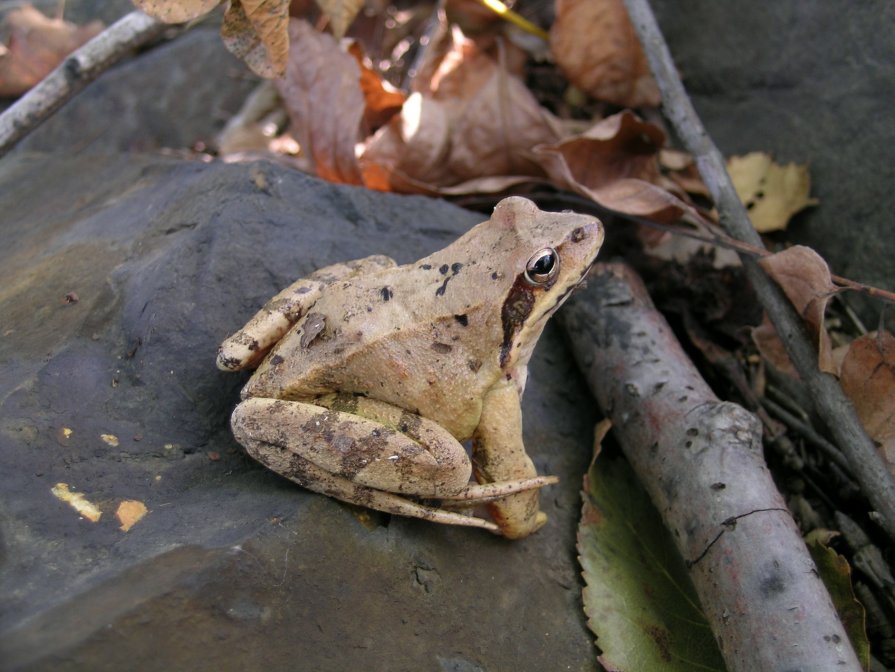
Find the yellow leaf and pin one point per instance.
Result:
(340, 14)
(77, 501)
(129, 513)
(257, 32)
(176, 11)
(772, 193)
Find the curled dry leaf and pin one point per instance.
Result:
(322, 92)
(772, 193)
(613, 163)
(257, 32)
(805, 279)
(472, 123)
(868, 378)
(176, 11)
(381, 100)
(340, 14)
(597, 49)
(37, 44)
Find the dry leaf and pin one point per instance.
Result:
(597, 49)
(77, 501)
(613, 163)
(176, 11)
(257, 32)
(321, 90)
(382, 101)
(772, 193)
(805, 279)
(340, 14)
(868, 378)
(37, 44)
(129, 513)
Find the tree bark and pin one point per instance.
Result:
(700, 460)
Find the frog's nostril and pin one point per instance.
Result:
(578, 235)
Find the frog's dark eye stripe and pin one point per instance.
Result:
(542, 267)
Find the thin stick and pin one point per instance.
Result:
(829, 399)
(74, 73)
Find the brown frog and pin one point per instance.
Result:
(372, 375)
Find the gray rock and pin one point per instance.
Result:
(233, 567)
(812, 83)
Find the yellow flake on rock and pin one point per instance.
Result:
(111, 439)
(67, 432)
(77, 501)
(129, 513)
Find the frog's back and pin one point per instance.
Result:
(403, 335)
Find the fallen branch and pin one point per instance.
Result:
(74, 73)
(700, 460)
(830, 401)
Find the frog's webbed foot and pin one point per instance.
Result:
(247, 347)
(376, 455)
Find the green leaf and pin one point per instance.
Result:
(639, 599)
(835, 572)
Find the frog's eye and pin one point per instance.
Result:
(542, 266)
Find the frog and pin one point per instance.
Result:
(371, 378)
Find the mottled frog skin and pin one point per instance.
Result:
(370, 376)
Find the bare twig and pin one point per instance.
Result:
(701, 461)
(829, 399)
(75, 72)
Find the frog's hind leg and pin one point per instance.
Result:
(247, 347)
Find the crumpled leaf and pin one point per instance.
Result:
(381, 100)
(322, 92)
(474, 121)
(176, 11)
(772, 193)
(835, 572)
(613, 163)
(805, 279)
(596, 47)
(868, 378)
(37, 44)
(340, 14)
(257, 31)
(638, 598)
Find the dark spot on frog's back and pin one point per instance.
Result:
(443, 269)
(276, 360)
(515, 311)
(441, 348)
(426, 267)
(455, 267)
(386, 293)
(463, 320)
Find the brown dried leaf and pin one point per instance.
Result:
(321, 90)
(868, 378)
(340, 14)
(596, 47)
(381, 100)
(805, 279)
(37, 44)
(176, 11)
(613, 163)
(257, 32)
(772, 193)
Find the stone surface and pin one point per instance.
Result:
(233, 567)
(812, 83)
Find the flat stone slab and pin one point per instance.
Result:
(114, 393)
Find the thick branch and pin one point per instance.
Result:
(829, 399)
(75, 72)
(700, 460)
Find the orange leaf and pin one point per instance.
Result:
(805, 279)
(322, 92)
(868, 378)
(595, 46)
(257, 32)
(176, 11)
(381, 100)
(37, 44)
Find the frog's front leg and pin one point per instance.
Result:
(499, 455)
(247, 347)
(366, 452)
